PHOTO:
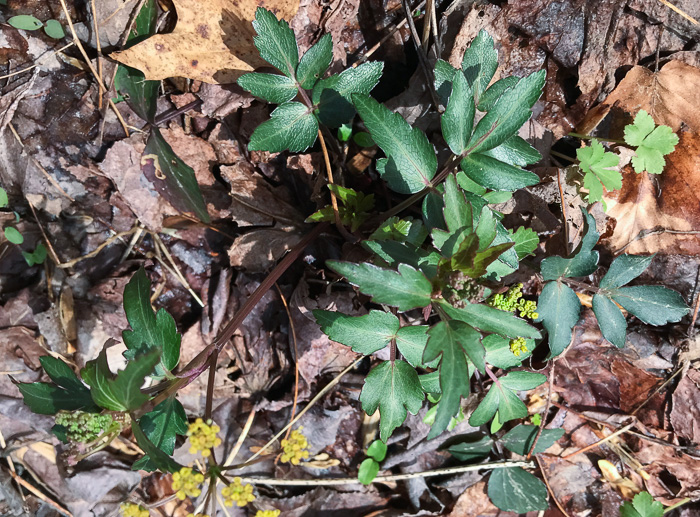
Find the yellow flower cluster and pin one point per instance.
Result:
(528, 309)
(295, 448)
(186, 483)
(267, 513)
(238, 493)
(512, 301)
(133, 510)
(203, 436)
(518, 346)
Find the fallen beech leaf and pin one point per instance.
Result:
(665, 208)
(670, 96)
(212, 42)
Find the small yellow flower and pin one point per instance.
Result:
(133, 510)
(518, 346)
(186, 483)
(295, 448)
(267, 513)
(203, 436)
(237, 493)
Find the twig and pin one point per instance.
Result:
(603, 440)
(296, 356)
(329, 172)
(176, 269)
(643, 234)
(427, 22)
(657, 390)
(39, 494)
(385, 479)
(43, 233)
(677, 10)
(38, 61)
(549, 488)
(422, 58)
(99, 50)
(546, 410)
(97, 250)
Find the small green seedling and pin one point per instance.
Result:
(52, 28)
(369, 468)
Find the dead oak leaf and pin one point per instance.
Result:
(659, 214)
(212, 42)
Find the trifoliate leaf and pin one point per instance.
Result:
(315, 62)
(526, 241)
(584, 260)
(394, 253)
(515, 151)
(495, 174)
(559, 309)
(450, 341)
(597, 163)
(516, 490)
(510, 112)
(494, 92)
(479, 63)
(333, 96)
(273, 88)
(406, 289)
(291, 126)
(394, 389)
(624, 269)
(458, 119)
(364, 334)
(490, 319)
(611, 321)
(154, 330)
(276, 42)
(412, 162)
(653, 304)
(520, 439)
(161, 426)
(652, 144)
(643, 505)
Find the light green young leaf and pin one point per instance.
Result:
(490, 319)
(161, 426)
(516, 490)
(458, 119)
(368, 470)
(598, 165)
(559, 309)
(458, 218)
(510, 112)
(377, 450)
(624, 269)
(291, 126)
(364, 334)
(406, 289)
(515, 151)
(54, 29)
(653, 304)
(37, 256)
(496, 175)
(273, 88)
(3, 198)
(643, 505)
(479, 63)
(315, 62)
(611, 321)
(276, 42)
(13, 235)
(652, 144)
(449, 341)
(394, 389)
(180, 186)
(25, 22)
(412, 162)
(526, 241)
(333, 96)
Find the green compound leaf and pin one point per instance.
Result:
(653, 304)
(13, 235)
(364, 334)
(154, 330)
(492, 320)
(472, 449)
(291, 126)
(479, 64)
(458, 119)
(516, 490)
(520, 439)
(526, 241)
(139, 94)
(509, 113)
(157, 458)
(559, 309)
(333, 96)
(515, 151)
(652, 144)
(368, 470)
(598, 165)
(444, 75)
(54, 29)
(406, 289)
(273, 88)
(611, 321)
(495, 174)
(25, 22)
(411, 160)
(315, 62)
(643, 505)
(584, 260)
(180, 186)
(276, 42)
(161, 426)
(494, 92)
(122, 393)
(411, 341)
(624, 269)
(394, 389)
(377, 450)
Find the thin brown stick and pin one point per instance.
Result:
(602, 440)
(422, 57)
(549, 488)
(427, 22)
(657, 390)
(296, 356)
(99, 50)
(329, 172)
(38, 61)
(677, 10)
(39, 494)
(97, 250)
(546, 410)
(563, 212)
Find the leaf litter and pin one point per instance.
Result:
(91, 189)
